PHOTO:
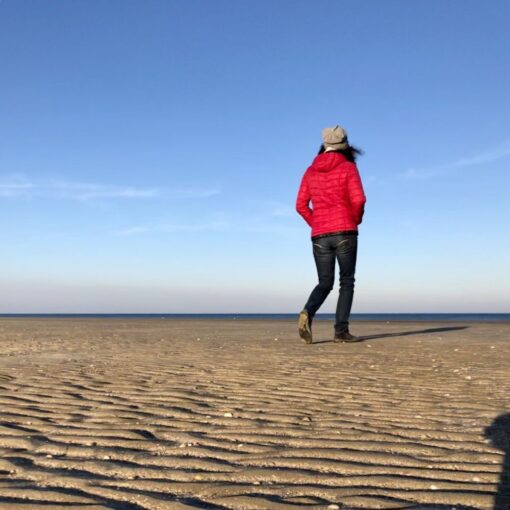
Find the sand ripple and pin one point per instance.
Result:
(241, 415)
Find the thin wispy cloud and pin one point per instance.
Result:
(274, 208)
(216, 222)
(21, 187)
(211, 226)
(269, 228)
(283, 212)
(193, 192)
(174, 227)
(85, 191)
(479, 159)
(16, 186)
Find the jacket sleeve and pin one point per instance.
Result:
(356, 194)
(303, 200)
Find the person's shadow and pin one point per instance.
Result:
(499, 434)
(363, 338)
(415, 332)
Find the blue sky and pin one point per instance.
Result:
(151, 151)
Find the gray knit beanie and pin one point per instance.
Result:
(335, 138)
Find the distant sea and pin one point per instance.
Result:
(387, 317)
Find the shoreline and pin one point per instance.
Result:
(490, 318)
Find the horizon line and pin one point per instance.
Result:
(192, 314)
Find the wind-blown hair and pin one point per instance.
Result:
(351, 153)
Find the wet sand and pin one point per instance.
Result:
(183, 414)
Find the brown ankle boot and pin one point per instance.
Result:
(304, 328)
(346, 337)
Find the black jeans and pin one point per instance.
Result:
(344, 248)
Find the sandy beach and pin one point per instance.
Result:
(224, 414)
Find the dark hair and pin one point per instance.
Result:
(351, 153)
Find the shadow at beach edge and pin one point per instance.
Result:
(498, 434)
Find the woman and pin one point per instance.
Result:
(333, 185)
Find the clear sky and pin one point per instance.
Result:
(151, 151)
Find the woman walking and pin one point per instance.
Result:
(333, 185)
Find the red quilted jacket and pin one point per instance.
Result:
(333, 185)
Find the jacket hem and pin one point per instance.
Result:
(336, 233)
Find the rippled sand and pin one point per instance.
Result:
(182, 414)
